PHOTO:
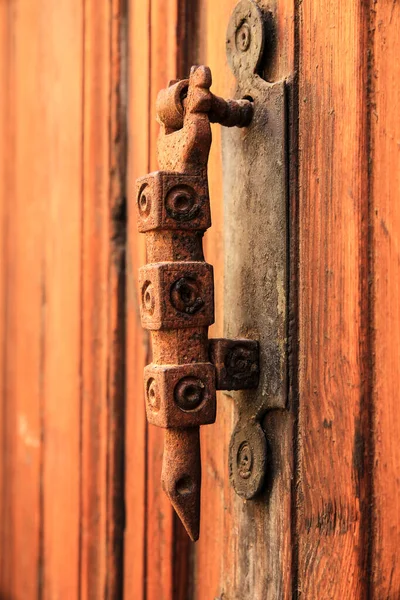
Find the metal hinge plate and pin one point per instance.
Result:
(255, 244)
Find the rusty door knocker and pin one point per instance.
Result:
(177, 288)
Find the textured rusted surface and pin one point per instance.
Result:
(181, 475)
(176, 295)
(236, 363)
(177, 288)
(180, 395)
(172, 102)
(255, 242)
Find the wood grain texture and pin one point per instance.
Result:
(385, 187)
(22, 303)
(61, 189)
(63, 314)
(333, 210)
(117, 297)
(138, 350)
(137, 342)
(5, 79)
(61, 340)
(103, 308)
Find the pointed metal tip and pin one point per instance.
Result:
(186, 503)
(181, 476)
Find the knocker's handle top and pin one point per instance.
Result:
(173, 102)
(185, 110)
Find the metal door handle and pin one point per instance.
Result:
(177, 288)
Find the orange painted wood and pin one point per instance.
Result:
(22, 302)
(385, 172)
(4, 102)
(332, 484)
(60, 176)
(137, 349)
(95, 340)
(66, 409)
(103, 306)
(117, 297)
(61, 301)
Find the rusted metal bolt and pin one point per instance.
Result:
(236, 363)
(189, 393)
(248, 459)
(148, 299)
(144, 201)
(152, 395)
(185, 296)
(244, 460)
(243, 37)
(240, 361)
(180, 203)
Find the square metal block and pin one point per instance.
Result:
(172, 201)
(236, 363)
(180, 395)
(177, 294)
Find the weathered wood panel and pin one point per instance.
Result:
(102, 304)
(61, 305)
(333, 210)
(34, 198)
(22, 303)
(385, 188)
(137, 342)
(5, 63)
(60, 177)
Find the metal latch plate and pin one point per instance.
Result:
(255, 246)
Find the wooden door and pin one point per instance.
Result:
(62, 298)
(329, 525)
(82, 510)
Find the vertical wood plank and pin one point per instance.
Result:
(103, 292)
(61, 85)
(385, 171)
(7, 149)
(5, 60)
(117, 296)
(61, 299)
(22, 280)
(137, 353)
(333, 205)
(95, 342)
(216, 551)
